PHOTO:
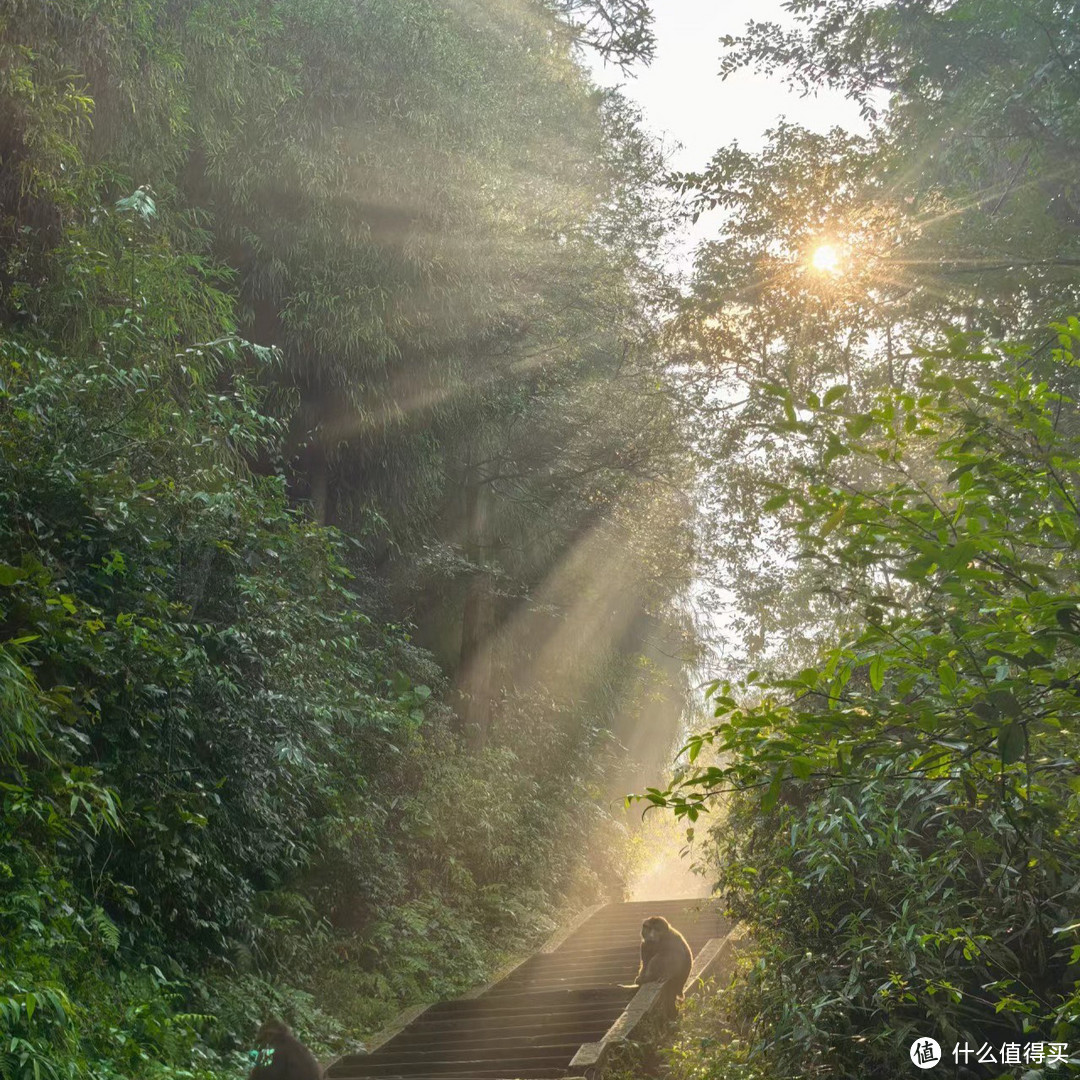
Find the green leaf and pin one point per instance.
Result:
(834, 394)
(1005, 702)
(1012, 742)
(858, 426)
(947, 676)
(877, 672)
(10, 574)
(835, 448)
(772, 795)
(833, 520)
(139, 201)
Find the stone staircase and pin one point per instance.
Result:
(550, 1016)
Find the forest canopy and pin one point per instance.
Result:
(341, 511)
(374, 490)
(882, 335)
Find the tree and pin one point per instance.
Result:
(619, 30)
(892, 752)
(981, 125)
(315, 319)
(947, 714)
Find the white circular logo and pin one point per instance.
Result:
(925, 1052)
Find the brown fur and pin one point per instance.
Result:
(282, 1056)
(665, 958)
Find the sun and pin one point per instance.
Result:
(826, 258)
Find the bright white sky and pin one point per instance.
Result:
(683, 97)
(686, 103)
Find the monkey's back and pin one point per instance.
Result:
(291, 1060)
(682, 957)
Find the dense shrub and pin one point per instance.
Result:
(230, 782)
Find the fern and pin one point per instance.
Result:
(105, 929)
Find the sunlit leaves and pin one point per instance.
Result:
(140, 202)
(877, 672)
(981, 112)
(967, 655)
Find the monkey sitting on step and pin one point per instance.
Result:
(665, 958)
(282, 1056)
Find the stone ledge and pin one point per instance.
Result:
(549, 946)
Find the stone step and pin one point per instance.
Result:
(532, 1024)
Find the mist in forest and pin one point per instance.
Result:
(407, 454)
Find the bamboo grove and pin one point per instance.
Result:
(342, 516)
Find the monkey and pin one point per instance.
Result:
(665, 958)
(282, 1056)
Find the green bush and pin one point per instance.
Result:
(901, 833)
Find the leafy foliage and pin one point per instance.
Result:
(977, 113)
(917, 867)
(895, 508)
(232, 783)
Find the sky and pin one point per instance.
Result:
(683, 98)
(685, 102)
